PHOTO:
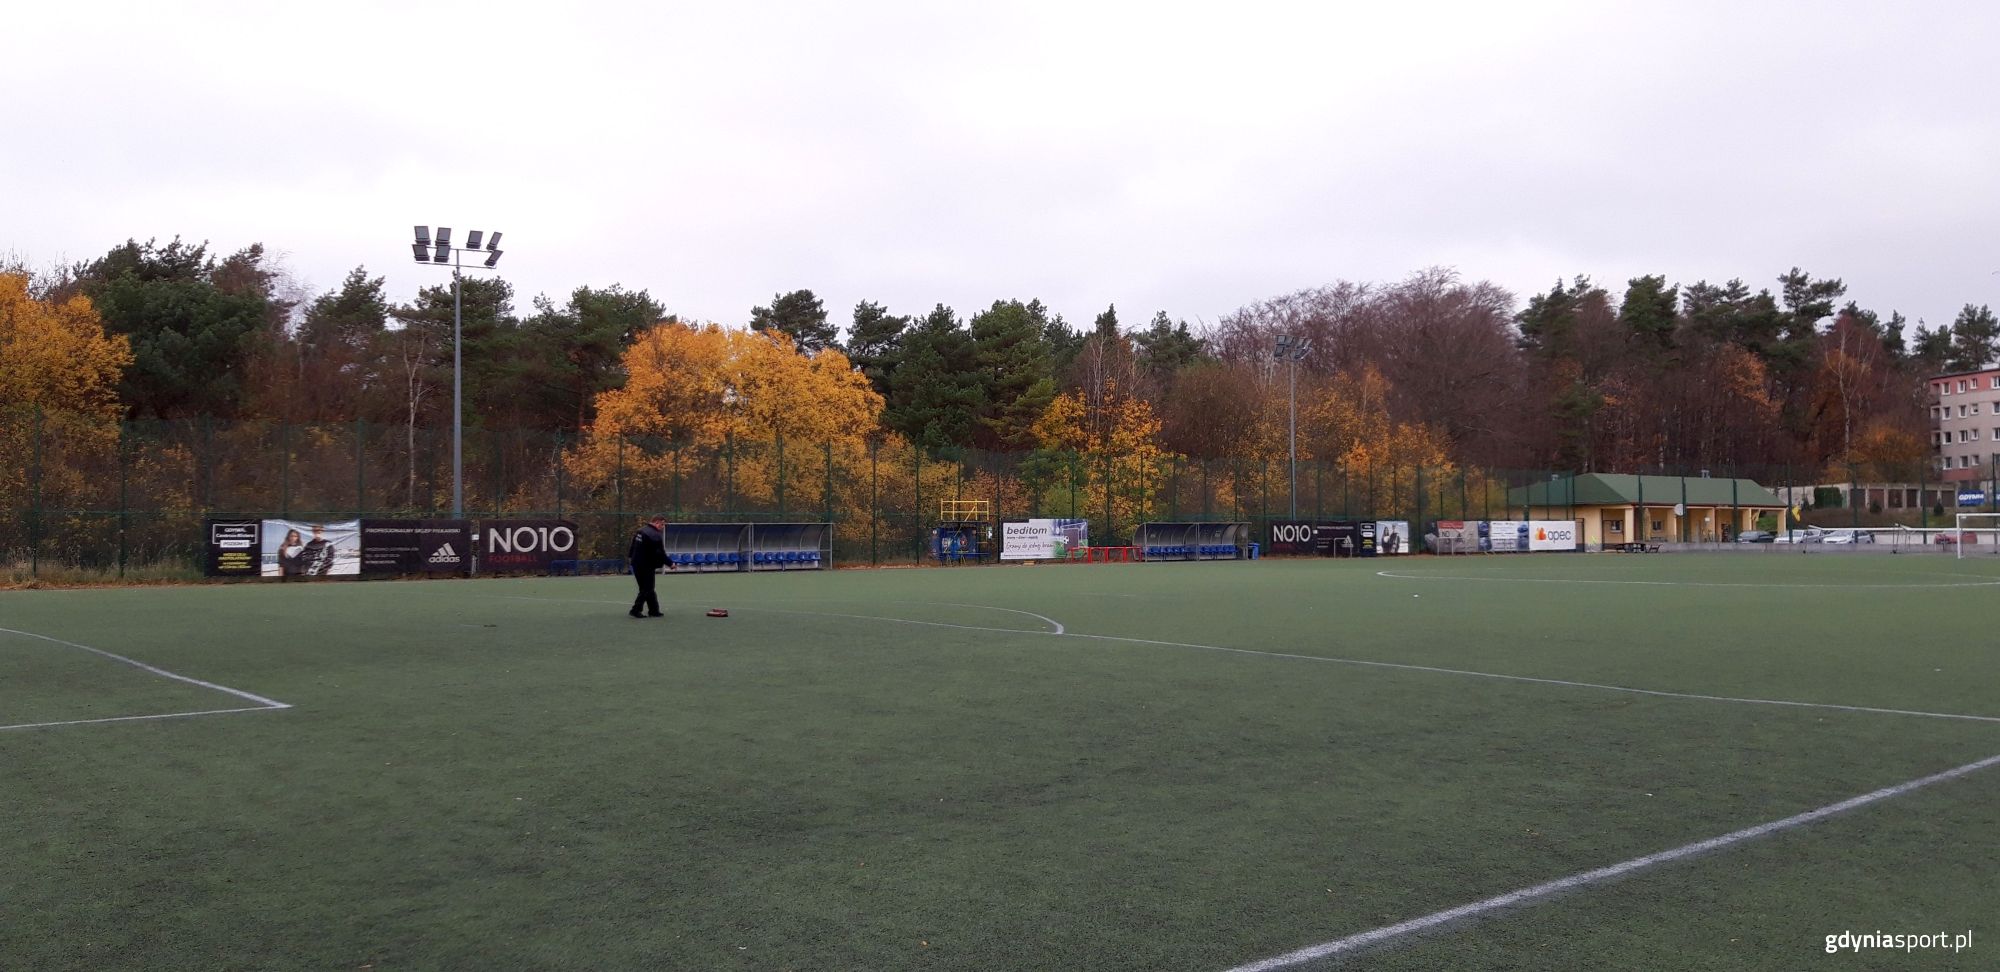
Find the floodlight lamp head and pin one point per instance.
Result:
(493, 257)
(423, 236)
(493, 242)
(443, 254)
(472, 240)
(444, 236)
(423, 252)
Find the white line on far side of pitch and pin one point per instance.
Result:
(1360, 662)
(161, 672)
(1387, 933)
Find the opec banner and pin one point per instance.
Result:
(1551, 535)
(1042, 539)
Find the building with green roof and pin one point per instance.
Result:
(1613, 508)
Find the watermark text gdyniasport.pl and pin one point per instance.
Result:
(1848, 941)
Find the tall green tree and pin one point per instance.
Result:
(874, 342)
(489, 335)
(1975, 337)
(570, 354)
(191, 328)
(1165, 347)
(1931, 349)
(1013, 370)
(800, 315)
(935, 392)
(1650, 312)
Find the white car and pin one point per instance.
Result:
(1807, 535)
(1848, 536)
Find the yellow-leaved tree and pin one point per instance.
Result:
(1098, 448)
(730, 420)
(59, 377)
(1384, 462)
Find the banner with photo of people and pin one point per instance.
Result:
(306, 549)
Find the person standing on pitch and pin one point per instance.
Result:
(647, 555)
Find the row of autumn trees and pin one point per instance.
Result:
(1428, 372)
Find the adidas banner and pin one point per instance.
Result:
(416, 546)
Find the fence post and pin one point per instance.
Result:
(1417, 525)
(124, 497)
(779, 438)
(1923, 488)
(360, 469)
(917, 507)
(618, 482)
(35, 509)
(562, 453)
(728, 472)
(1110, 521)
(1853, 487)
(207, 463)
(874, 503)
(285, 469)
(828, 492)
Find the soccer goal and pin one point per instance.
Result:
(1974, 530)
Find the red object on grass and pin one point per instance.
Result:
(717, 613)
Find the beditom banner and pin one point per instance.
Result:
(307, 549)
(1042, 539)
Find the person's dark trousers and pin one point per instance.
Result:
(647, 599)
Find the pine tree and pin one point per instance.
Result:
(800, 315)
(1013, 370)
(935, 393)
(874, 343)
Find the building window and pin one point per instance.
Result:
(1659, 526)
(1615, 526)
(1996, 382)
(1961, 411)
(1975, 408)
(1961, 384)
(1944, 389)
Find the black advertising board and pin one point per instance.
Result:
(1340, 539)
(1366, 545)
(234, 548)
(1294, 538)
(525, 545)
(416, 546)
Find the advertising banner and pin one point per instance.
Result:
(1042, 539)
(1972, 497)
(1294, 538)
(1504, 536)
(1552, 535)
(416, 546)
(525, 545)
(1340, 540)
(1392, 537)
(1365, 539)
(300, 548)
(234, 549)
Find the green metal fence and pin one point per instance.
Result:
(81, 492)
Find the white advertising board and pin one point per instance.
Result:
(1551, 535)
(1042, 539)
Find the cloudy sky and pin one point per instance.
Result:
(1185, 157)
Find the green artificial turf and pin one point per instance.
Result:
(512, 774)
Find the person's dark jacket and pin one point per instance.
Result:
(649, 549)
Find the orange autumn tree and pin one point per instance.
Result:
(718, 410)
(1347, 423)
(60, 373)
(1109, 445)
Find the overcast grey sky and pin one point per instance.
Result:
(1185, 157)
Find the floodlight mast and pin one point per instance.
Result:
(439, 252)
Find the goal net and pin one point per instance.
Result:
(1975, 533)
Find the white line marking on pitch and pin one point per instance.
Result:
(1360, 662)
(1655, 583)
(1531, 894)
(141, 718)
(161, 672)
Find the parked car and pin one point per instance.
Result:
(1848, 536)
(1756, 536)
(1954, 537)
(1807, 535)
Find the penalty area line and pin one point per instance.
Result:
(142, 718)
(156, 670)
(1531, 895)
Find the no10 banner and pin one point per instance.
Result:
(307, 549)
